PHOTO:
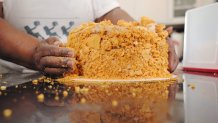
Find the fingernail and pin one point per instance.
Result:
(70, 54)
(70, 64)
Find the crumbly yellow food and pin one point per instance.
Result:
(123, 51)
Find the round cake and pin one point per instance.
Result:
(128, 50)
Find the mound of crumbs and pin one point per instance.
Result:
(127, 50)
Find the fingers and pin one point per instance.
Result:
(51, 50)
(55, 71)
(169, 30)
(54, 41)
(56, 62)
(52, 59)
(173, 59)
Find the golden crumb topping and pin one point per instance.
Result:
(123, 51)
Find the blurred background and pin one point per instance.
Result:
(168, 12)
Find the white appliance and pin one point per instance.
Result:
(201, 39)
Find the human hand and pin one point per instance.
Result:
(52, 58)
(172, 56)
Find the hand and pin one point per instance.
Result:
(52, 58)
(173, 58)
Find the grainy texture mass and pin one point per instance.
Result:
(127, 50)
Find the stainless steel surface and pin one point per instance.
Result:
(197, 104)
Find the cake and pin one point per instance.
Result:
(133, 53)
(128, 50)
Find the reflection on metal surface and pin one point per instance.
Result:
(87, 103)
(201, 103)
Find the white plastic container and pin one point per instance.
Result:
(201, 39)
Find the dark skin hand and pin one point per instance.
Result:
(47, 56)
(52, 58)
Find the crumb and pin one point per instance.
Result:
(50, 87)
(83, 100)
(56, 98)
(40, 98)
(77, 89)
(4, 82)
(134, 94)
(114, 103)
(65, 93)
(7, 113)
(35, 82)
(3, 88)
(192, 86)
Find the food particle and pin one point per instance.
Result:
(192, 86)
(4, 82)
(35, 82)
(7, 113)
(56, 98)
(83, 100)
(84, 90)
(40, 98)
(50, 87)
(3, 88)
(65, 93)
(114, 103)
(77, 89)
(134, 94)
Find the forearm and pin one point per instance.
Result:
(15, 45)
(115, 15)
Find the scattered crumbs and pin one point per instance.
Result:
(65, 93)
(50, 86)
(3, 88)
(114, 103)
(40, 98)
(83, 100)
(7, 113)
(192, 86)
(35, 82)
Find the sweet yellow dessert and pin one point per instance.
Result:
(127, 50)
(130, 52)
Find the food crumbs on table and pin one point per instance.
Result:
(77, 89)
(35, 82)
(56, 98)
(50, 87)
(83, 100)
(114, 103)
(40, 98)
(7, 113)
(65, 93)
(3, 88)
(192, 86)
